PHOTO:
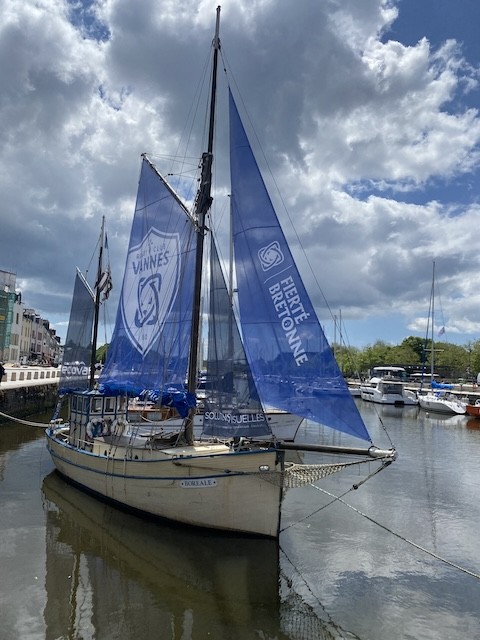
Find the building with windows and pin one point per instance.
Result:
(24, 335)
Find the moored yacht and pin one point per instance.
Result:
(387, 391)
(442, 401)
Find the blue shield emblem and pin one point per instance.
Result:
(150, 287)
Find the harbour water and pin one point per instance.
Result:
(73, 567)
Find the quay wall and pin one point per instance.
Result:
(25, 391)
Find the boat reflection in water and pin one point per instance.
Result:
(444, 420)
(473, 423)
(111, 574)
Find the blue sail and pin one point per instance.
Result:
(292, 363)
(232, 407)
(75, 369)
(149, 349)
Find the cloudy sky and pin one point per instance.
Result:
(366, 113)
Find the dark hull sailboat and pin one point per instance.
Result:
(280, 358)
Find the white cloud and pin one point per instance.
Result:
(352, 123)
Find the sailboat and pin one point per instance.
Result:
(235, 477)
(439, 398)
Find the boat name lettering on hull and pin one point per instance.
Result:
(195, 484)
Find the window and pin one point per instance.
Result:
(96, 405)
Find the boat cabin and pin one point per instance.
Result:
(92, 414)
(395, 373)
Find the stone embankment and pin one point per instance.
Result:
(26, 391)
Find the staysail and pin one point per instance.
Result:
(75, 369)
(232, 406)
(292, 363)
(150, 342)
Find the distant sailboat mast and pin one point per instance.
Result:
(432, 354)
(430, 330)
(202, 205)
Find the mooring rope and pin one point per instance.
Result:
(40, 425)
(398, 535)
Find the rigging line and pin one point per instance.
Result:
(382, 424)
(329, 620)
(41, 425)
(438, 299)
(352, 488)
(398, 535)
(387, 434)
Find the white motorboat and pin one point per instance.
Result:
(387, 391)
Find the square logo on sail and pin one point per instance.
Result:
(150, 287)
(270, 256)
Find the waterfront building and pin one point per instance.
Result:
(24, 335)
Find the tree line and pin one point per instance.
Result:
(451, 361)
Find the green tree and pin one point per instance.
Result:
(374, 355)
(101, 353)
(473, 350)
(416, 344)
(347, 358)
(404, 355)
(451, 360)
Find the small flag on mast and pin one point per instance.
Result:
(105, 283)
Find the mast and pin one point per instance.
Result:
(202, 205)
(93, 356)
(230, 291)
(432, 354)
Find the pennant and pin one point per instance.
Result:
(105, 283)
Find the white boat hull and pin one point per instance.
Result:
(205, 485)
(354, 390)
(431, 402)
(381, 395)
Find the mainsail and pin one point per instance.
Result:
(75, 369)
(292, 363)
(150, 342)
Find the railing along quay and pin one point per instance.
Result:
(16, 377)
(28, 390)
